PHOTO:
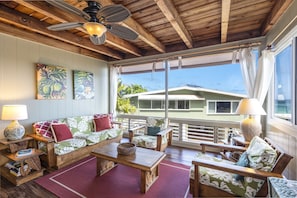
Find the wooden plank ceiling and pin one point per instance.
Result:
(162, 25)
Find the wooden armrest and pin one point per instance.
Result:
(117, 123)
(165, 131)
(244, 171)
(41, 138)
(225, 147)
(137, 128)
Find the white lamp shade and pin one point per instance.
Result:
(250, 106)
(14, 112)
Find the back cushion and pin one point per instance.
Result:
(61, 132)
(261, 155)
(80, 124)
(102, 123)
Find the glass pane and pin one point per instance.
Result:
(171, 104)
(211, 107)
(223, 107)
(283, 84)
(156, 104)
(145, 104)
(181, 104)
(234, 106)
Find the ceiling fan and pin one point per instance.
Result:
(99, 20)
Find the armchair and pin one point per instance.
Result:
(217, 177)
(155, 135)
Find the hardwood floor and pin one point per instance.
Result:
(33, 190)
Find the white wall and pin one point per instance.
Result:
(18, 81)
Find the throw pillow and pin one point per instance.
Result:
(102, 123)
(61, 132)
(153, 130)
(110, 116)
(244, 162)
(261, 155)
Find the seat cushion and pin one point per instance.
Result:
(69, 145)
(147, 141)
(248, 187)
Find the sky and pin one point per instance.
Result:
(223, 78)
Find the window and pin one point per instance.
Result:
(160, 104)
(222, 107)
(283, 84)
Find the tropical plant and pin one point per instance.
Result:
(123, 104)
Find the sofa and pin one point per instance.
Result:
(67, 140)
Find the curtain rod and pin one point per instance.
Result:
(225, 47)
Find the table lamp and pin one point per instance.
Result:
(250, 126)
(14, 130)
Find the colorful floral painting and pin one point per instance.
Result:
(51, 82)
(83, 83)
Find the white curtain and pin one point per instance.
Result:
(264, 75)
(248, 69)
(113, 90)
(256, 81)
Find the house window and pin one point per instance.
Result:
(183, 104)
(283, 84)
(222, 107)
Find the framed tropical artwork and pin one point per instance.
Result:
(51, 82)
(83, 85)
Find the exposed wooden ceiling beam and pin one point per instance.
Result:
(278, 9)
(29, 23)
(144, 35)
(226, 4)
(59, 15)
(170, 12)
(35, 37)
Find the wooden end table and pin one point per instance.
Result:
(146, 160)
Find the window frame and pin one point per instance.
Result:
(232, 111)
(288, 127)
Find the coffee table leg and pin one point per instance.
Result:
(148, 178)
(104, 166)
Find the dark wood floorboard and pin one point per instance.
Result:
(33, 190)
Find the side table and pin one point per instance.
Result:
(280, 187)
(33, 162)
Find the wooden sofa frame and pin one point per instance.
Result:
(165, 133)
(200, 190)
(53, 160)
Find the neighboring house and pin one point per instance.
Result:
(188, 102)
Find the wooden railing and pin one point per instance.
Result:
(188, 132)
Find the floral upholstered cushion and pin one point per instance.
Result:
(69, 145)
(80, 124)
(156, 122)
(248, 187)
(147, 141)
(261, 155)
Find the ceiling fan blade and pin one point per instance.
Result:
(98, 40)
(65, 6)
(122, 32)
(113, 13)
(65, 26)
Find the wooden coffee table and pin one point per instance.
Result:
(146, 160)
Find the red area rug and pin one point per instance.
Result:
(80, 180)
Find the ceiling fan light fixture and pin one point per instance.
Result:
(95, 29)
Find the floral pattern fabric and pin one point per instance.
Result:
(260, 155)
(147, 141)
